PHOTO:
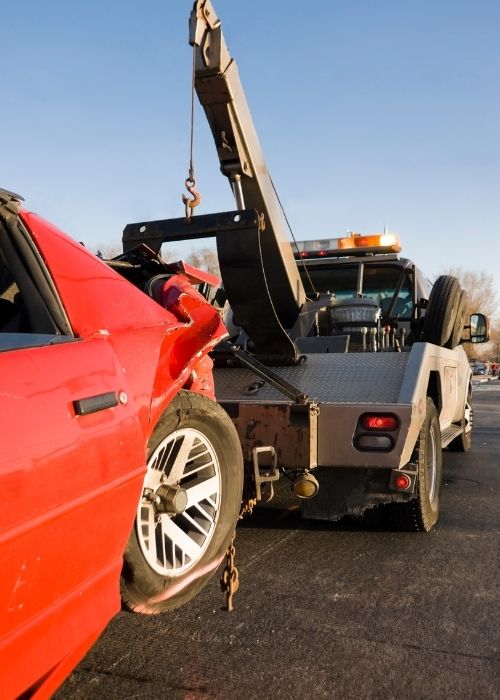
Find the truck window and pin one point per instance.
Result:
(379, 284)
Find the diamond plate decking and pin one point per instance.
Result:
(330, 378)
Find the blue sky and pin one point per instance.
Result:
(370, 113)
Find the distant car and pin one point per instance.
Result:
(480, 368)
(107, 416)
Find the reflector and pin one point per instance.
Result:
(383, 443)
(305, 486)
(402, 482)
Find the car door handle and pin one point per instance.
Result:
(92, 404)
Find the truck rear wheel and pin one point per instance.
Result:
(189, 506)
(442, 310)
(422, 512)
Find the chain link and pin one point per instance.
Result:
(230, 580)
(247, 507)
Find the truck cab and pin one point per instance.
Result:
(370, 287)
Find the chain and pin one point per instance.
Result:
(247, 507)
(230, 580)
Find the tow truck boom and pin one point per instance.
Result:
(221, 94)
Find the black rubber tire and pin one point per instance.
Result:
(142, 588)
(458, 326)
(421, 513)
(442, 308)
(463, 442)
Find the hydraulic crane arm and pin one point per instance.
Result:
(221, 94)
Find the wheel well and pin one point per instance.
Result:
(434, 390)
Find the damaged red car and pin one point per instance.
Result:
(119, 470)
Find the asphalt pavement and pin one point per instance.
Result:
(344, 610)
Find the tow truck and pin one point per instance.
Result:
(344, 370)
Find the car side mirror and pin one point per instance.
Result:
(479, 328)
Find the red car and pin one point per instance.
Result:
(111, 441)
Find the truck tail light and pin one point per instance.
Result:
(376, 432)
(402, 482)
(379, 421)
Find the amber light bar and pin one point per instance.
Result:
(355, 243)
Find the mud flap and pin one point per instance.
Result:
(349, 491)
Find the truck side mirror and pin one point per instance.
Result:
(479, 328)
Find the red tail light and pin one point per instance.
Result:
(374, 421)
(402, 482)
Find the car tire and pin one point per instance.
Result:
(442, 309)
(421, 513)
(188, 509)
(463, 442)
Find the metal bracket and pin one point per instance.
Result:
(264, 475)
